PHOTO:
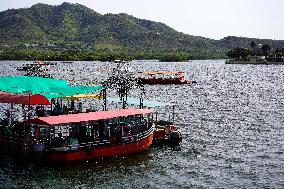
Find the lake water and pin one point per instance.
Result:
(232, 122)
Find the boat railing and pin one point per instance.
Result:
(102, 143)
(80, 146)
(145, 133)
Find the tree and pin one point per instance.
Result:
(279, 52)
(123, 80)
(252, 44)
(232, 54)
(239, 53)
(266, 48)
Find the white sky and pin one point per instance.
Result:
(208, 18)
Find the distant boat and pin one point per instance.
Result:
(44, 63)
(35, 65)
(163, 78)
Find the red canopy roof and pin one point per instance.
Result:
(23, 99)
(91, 116)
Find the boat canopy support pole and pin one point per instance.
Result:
(156, 117)
(51, 102)
(29, 101)
(105, 99)
(141, 103)
(29, 108)
(173, 113)
(11, 114)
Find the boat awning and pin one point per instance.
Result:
(136, 102)
(81, 96)
(35, 99)
(91, 116)
(50, 88)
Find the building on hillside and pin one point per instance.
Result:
(257, 50)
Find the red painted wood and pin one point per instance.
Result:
(102, 152)
(159, 134)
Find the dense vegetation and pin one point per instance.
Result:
(109, 55)
(239, 53)
(74, 24)
(255, 50)
(75, 32)
(280, 52)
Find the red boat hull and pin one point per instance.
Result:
(102, 152)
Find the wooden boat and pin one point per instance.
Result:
(163, 78)
(73, 136)
(44, 63)
(35, 65)
(82, 136)
(165, 132)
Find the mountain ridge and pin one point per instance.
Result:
(77, 24)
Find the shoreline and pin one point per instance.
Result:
(256, 63)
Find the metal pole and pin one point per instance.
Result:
(11, 113)
(156, 117)
(29, 101)
(24, 139)
(173, 113)
(29, 108)
(123, 102)
(105, 99)
(51, 101)
(141, 103)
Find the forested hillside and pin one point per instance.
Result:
(74, 27)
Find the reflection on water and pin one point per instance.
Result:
(232, 124)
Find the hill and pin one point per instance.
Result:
(75, 23)
(78, 27)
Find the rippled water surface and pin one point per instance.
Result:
(232, 122)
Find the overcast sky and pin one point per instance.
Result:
(208, 18)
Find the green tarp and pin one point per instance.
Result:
(50, 88)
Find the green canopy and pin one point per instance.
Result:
(50, 88)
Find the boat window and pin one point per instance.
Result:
(44, 132)
(63, 129)
(89, 129)
(33, 130)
